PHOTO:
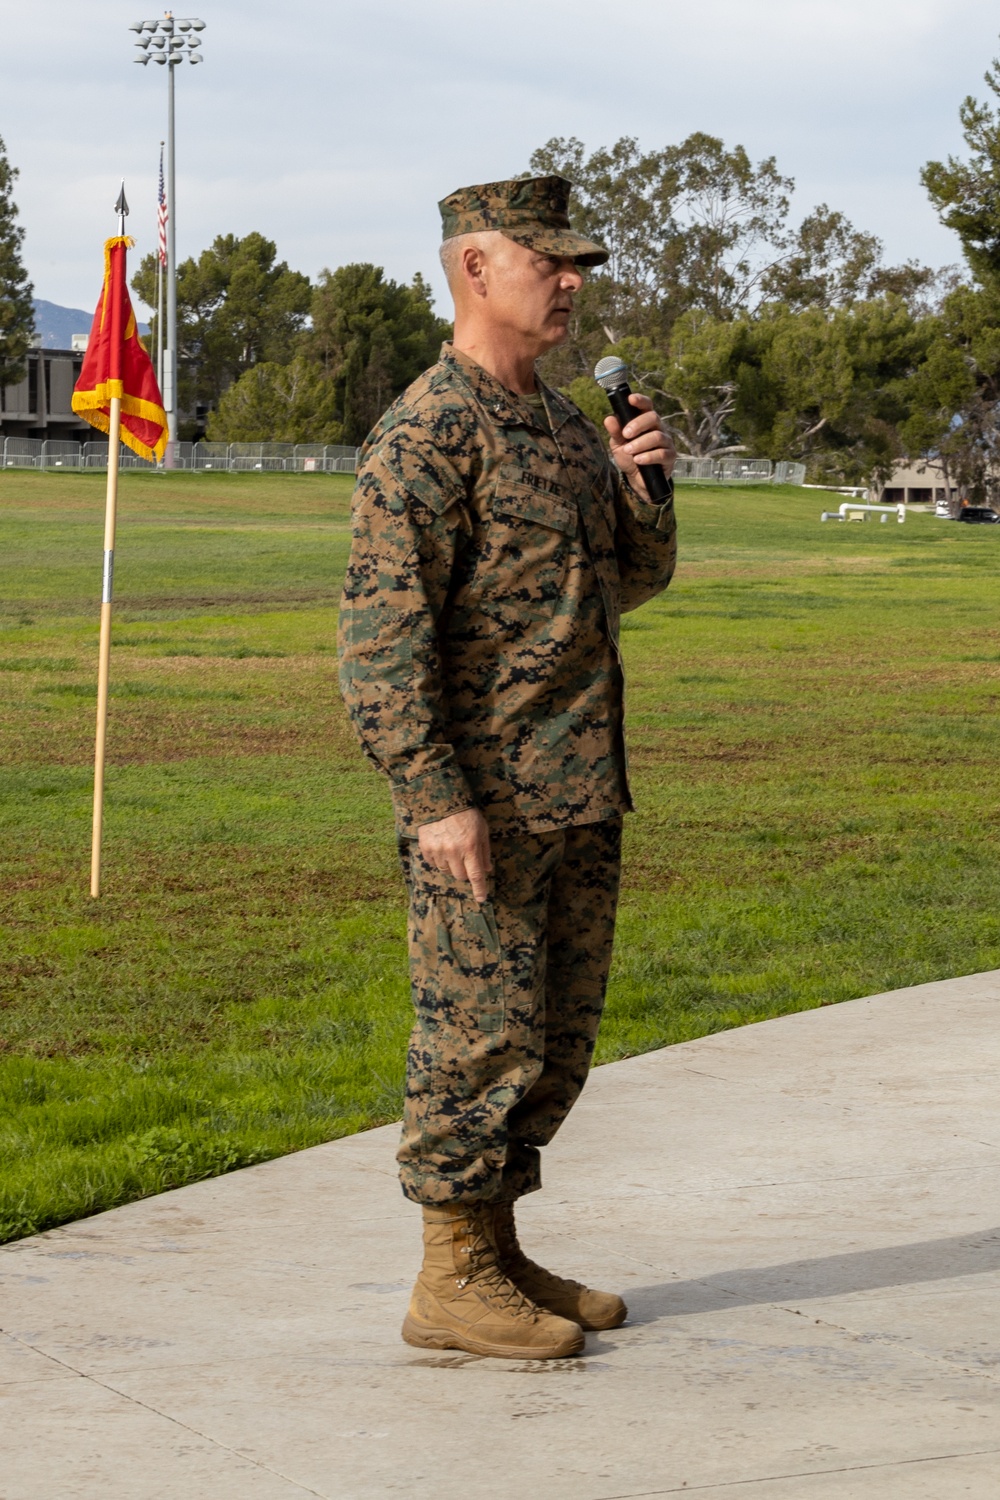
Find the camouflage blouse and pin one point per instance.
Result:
(493, 552)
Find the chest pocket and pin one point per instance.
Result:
(521, 502)
(528, 546)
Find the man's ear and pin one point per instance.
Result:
(473, 267)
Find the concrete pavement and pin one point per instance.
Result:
(804, 1216)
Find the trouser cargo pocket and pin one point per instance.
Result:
(508, 997)
(471, 963)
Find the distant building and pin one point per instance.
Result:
(39, 407)
(922, 484)
(78, 342)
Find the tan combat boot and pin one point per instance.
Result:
(568, 1299)
(462, 1300)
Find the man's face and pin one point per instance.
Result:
(530, 295)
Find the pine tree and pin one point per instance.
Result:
(966, 194)
(17, 314)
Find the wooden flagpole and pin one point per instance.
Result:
(104, 662)
(104, 658)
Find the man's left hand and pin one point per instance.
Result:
(644, 441)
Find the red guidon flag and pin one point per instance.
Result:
(116, 364)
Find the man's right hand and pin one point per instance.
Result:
(460, 844)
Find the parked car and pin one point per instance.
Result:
(942, 510)
(979, 515)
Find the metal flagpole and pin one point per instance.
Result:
(159, 322)
(161, 246)
(169, 387)
(168, 42)
(104, 660)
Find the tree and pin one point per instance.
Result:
(293, 403)
(699, 229)
(623, 200)
(372, 337)
(17, 316)
(693, 384)
(832, 389)
(955, 394)
(957, 415)
(828, 263)
(237, 306)
(966, 194)
(240, 309)
(733, 216)
(692, 226)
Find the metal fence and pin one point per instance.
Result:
(786, 473)
(239, 458)
(739, 471)
(326, 458)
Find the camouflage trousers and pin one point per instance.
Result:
(508, 998)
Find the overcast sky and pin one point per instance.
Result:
(335, 128)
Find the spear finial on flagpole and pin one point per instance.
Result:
(121, 208)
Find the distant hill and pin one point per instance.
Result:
(57, 324)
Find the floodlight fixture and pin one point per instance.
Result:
(167, 41)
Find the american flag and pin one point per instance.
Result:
(161, 214)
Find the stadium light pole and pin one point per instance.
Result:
(168, 41)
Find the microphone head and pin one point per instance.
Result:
(611, 372)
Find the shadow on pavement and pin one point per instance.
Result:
(826, 1276)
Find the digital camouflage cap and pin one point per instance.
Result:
(532, 211)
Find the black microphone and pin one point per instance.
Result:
(612, 374)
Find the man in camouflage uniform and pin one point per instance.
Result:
(494, 547)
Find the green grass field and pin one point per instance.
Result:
(814, 717)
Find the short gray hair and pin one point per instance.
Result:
(451, 250)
